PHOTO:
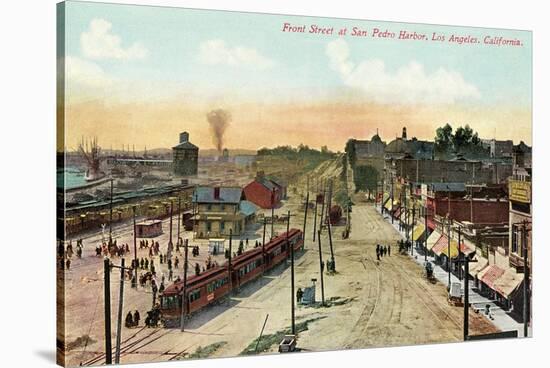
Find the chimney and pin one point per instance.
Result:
(216, 192)
(260, 175)
(404, 135)
(184, 137)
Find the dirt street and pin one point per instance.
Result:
(372, 303)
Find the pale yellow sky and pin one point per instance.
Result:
(158, 124)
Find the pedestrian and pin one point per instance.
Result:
(299, 295)
(176, 262)
(389, 250)
(378, 254)
(136, 318)
(129, 320)
(170, 275)
(68, 263)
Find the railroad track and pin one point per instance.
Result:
(124, 346)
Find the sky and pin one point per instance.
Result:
(139, 75)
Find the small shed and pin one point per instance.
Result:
(149, 229)
(216, 245)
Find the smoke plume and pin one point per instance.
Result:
(219, 120)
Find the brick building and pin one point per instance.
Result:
(265, 192)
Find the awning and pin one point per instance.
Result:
(475, 267)
(397, 212)
(388, 205)
(403, 215)
(453, 248)
(385, 197)
(467, 247)
(490, 274)
(508, 282)
(418, 232)
(440, 245)
(431, 224)
(433, 239)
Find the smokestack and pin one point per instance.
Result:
(216, 192)
(184, 137)
(404, 135)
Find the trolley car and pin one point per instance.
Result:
(215, 283)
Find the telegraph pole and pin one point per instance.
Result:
(412, 231)
(272, 212)
(315, 217)
(291, 274)
(107, 309)
(263, 246)
(305, 220)
(466, 295)
(111, 217)
(526, 313)
(391, 211)
(449, 252)
(170, 244)
(426, 233)
(179, 220)
(184, 291)
(230, 271)
(321, 269)
(323, 196)
(135, 247)
(119, 321)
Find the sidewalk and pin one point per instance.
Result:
(501, 318)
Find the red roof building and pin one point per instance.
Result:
(264, 193)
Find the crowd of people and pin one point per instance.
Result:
(382, 250)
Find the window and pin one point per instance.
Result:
(208, 226)
(222, 207)
(222, 225)
(515, 239)
(194, 295)
(209, 207)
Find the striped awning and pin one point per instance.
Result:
(440, 245)
(397, 212)
(418, 232)
(433, 239)
(490, 275)
(388, 205)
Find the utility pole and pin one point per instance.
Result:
(261, 333)
(321, 269)
(229, 270)
(170, 244)
(119, 321)
(184, 291)
(412, 231)
(459, 252)
(426, 233)
(291, 274)
(449, 253)
(135, 248)
(526, 313)
(315, 217)
(111, 216)
(107, 309)
(391, 211)
(466, 295)
(323, 196)
(179, 220)
(272, 212)
(263, 247)
(464, 259)
(305, 220)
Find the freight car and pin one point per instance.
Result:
(215, 283)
